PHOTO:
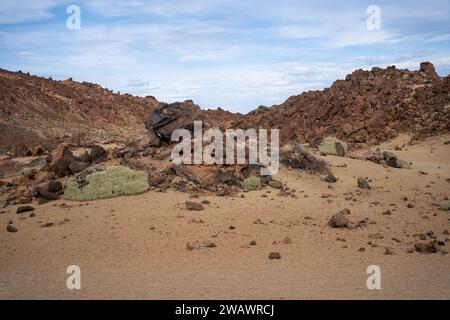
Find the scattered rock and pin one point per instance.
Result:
(24, 209)
(427, 247)
(11, 229)
(274, 256)
(330, 178)
(98, 154)
(276, 184)
(253, 243)
(210, 244)
(338, 221)
(294, 156)
(60, 161)
(363, 184)
(54, 186)
(194, 206)
(47, 225)
(376, 236)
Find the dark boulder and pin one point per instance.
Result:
(168, 117)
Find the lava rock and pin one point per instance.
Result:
(338, 221)
(363, 183)
(274, 256)
(194, 206)
(24, 209)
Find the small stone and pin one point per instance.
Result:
(422, 236)
(274, 255)
(338, 221)
(410, 205)
(194, 206)
(330, 178)
(232, 227)
(428, 247)
(11, 229)
(362, 249)
(387, 213)
(205, 202)
(210, 244)
(376, 236)
(189, 246)
(363, 184)
(48, 225)
(388, 251)
(276, 184)
(24, 209)
(253, 243)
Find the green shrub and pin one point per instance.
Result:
(333, 146)
(445, 206)
(251, 183)
(113, 182)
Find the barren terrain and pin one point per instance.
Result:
(149, 246)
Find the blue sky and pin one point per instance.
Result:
(220, 53)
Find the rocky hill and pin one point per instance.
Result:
(367, 107)
(38, 111)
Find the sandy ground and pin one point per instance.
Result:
(135, 247)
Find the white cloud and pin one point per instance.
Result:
(12, 12)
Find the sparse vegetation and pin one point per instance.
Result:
(445, 206)
(113, 182)
(333, 146)
(251, 183)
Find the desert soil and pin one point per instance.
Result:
(136, 247)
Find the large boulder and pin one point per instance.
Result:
(98, 154)
(294, 156)
(168, 117)
(61, 161)
(428, 69)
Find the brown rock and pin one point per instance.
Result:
(276, 184)
(98, 154)
(274, 256)
(60, 162)
(428, 69)
(11, 229)
(427, 247)
(24, 209)
(363, 184)
(77, 166)
(194, 206)
(338, 221)
(54, 186)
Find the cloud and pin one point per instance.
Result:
(12, 12)
(229, 53)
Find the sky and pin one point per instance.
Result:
(220, 53)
